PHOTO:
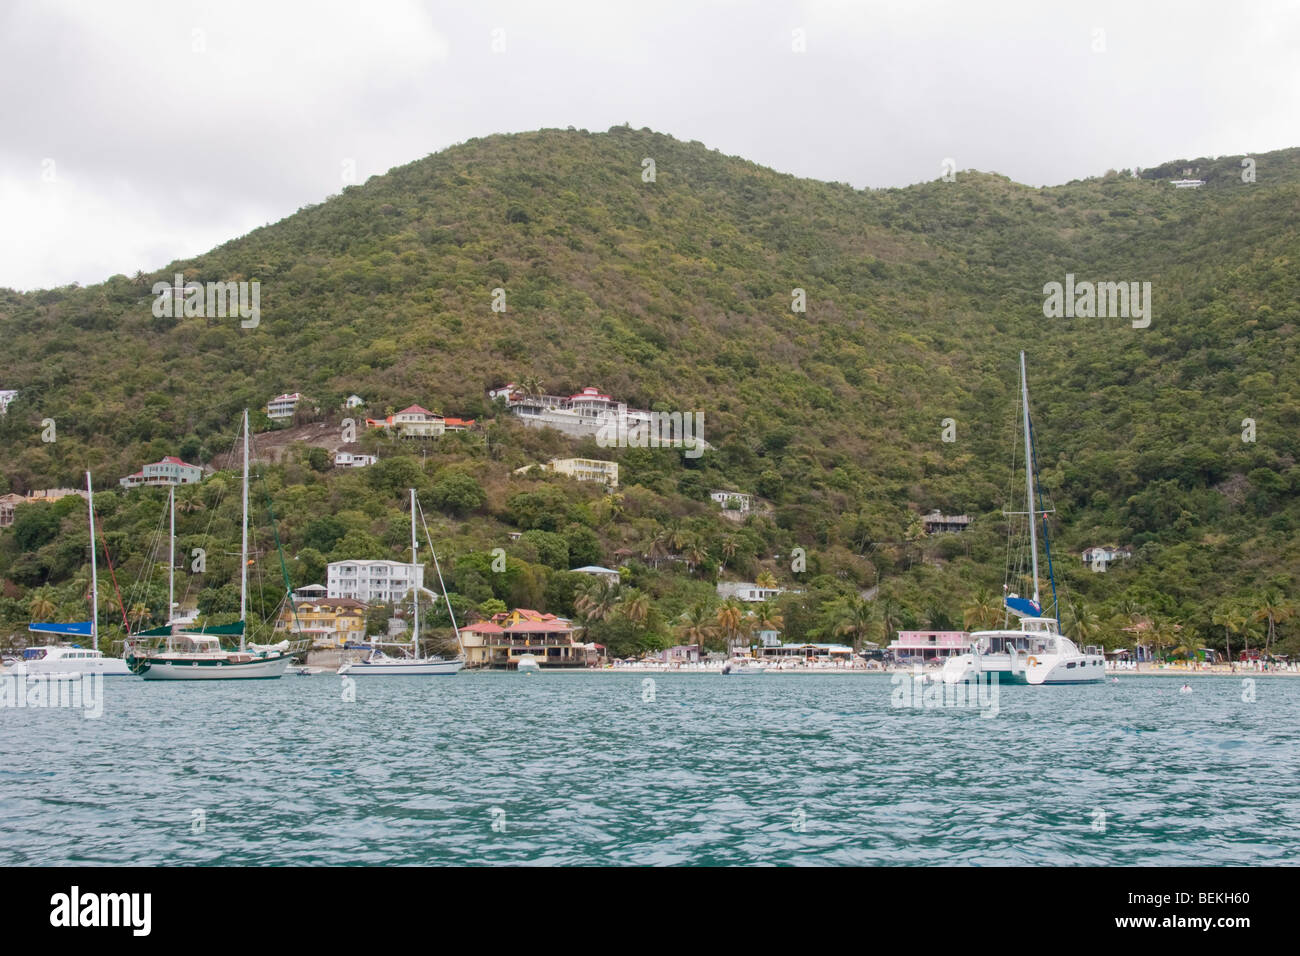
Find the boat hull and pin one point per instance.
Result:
(181, 668)
(399, 668)
(106, 667)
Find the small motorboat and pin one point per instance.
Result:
(528, 664)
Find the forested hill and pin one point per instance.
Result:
(676, 294)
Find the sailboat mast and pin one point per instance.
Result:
(171, 556)
(1029, 478)
(94, 568)
(243, 550)
(415, 587)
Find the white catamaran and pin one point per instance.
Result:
(379, 664)
(1036, 652)
(70, 660)
(190, 655)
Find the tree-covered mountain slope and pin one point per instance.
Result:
(676, 294)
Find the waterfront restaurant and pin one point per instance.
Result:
(500, 642)
(835, 653)
(930, 645)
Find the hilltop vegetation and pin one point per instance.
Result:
(676, 295)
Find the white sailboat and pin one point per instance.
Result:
(70, 660)
(190, 655)
(379, 664)
(1036, 652)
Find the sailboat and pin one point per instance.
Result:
(198, 655)
(379, 664)
(72, 660)
(1036, 652)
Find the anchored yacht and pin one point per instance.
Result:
(1036, 652)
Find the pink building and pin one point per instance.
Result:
(930, 644)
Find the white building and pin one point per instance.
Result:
(580, 469)
(169, 471)
(354, 401)
(1187, 183)
(1100, 558)
(733, 500)
(609, 574)
(282, 407)
(7, 395)
(347, 459)
(372, 582)
(748, 591)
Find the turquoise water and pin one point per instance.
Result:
(580, 769)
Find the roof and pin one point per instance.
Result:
(590, 392)
(287, 396)
(417, 410)
(170, 460)
(594, 569)
(484, 627)
(459, 421)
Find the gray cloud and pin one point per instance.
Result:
(137, 133)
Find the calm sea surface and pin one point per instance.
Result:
(495, 768)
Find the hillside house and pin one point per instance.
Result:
(169, 471)
(282, 407)
(1100, 558)
(936, 523)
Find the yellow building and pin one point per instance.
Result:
(501, 641)
(580, 469)
(328, 622)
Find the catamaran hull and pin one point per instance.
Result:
(163, 668)
(107, 667)
(1047, 669)
(401, 669)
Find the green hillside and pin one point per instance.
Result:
(676, 295)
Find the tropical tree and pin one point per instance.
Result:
(696, 624)
(1233, 618)
(634, 606)
(595, 600)
(1085, 624)
(765, 579)
(732, 621)
(855, 618)
(983, 612)
(1274, 609)
(41, 607)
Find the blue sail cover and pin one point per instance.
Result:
(81, 628)
(1024, 607)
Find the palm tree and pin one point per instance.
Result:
(635, 606)
(891, 615)
(139, 611)
(768, 617)
(531, 385)
(1164, 633)
(696, 554)
(1233, 619)
(983, 612)
(1274, 609)
(695, 626)
(1084, 622)
(855, 618)
(765, 579)
(728, 548)
(731, 621)
(41, 607)
(595, 600)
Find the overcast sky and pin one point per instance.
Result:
(135, 133)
